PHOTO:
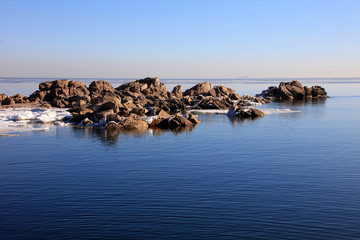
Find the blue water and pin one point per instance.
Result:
(283, 176)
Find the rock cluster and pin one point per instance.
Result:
(293, 91)
(147, 102)
(17, 98)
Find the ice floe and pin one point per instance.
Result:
(15, 120)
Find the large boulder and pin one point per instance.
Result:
(198, 89)
(97, 87)
(221, 91)
(291, 90)
(179, 121)
(318, 92)
(147, 86)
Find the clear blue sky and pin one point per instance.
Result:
(180, 39)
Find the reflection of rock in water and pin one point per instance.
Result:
(236, 121)
(112, 136)
(308, 101)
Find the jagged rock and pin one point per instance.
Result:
(3, 96)
(192, 118)
(221, 91)
(291, 90)
(147, 86)
(107, 100)
(198, 89)
(97, 87)
(318, 92)
(179, 121)
(45, 86)
(59, 84)
(214, 103)
(18, 98)
(177, 91)
(7, 101)
(140, 111)
(78, 89)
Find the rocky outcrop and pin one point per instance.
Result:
(17, 98)
(61, 93)
(124, 107)
(293, 91)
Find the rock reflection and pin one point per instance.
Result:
(111, 137)
(304, 102)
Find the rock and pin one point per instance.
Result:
(179, 121)
(18, 98)
(78, 89)
(86, 122)
(7, 101)
(192, 118)
(214, 103)
(291, 90)
(102, 114)
(113, 126)
(107, 100)
(221, 91)
(77, 118)
(128, 123)
(241, 112)
(198, 89)
(140, 111)
(147, 86)
(59, 84)
(3, 96)
(161, 122)
(97, 87)
(318, 92)
(45, 86)
(177, 91)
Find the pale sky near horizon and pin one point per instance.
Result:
(179, 39)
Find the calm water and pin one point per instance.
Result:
(285, 176)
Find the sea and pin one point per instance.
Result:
(293, 174)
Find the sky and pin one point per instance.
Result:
(179, 38)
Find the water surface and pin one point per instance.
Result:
(284, 176)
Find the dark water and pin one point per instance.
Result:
(284, 176)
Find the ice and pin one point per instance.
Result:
(277, 110)
(17, 119)
(209, 111)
